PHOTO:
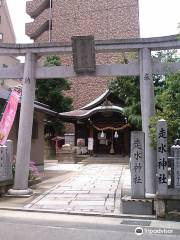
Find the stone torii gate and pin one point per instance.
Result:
(30, 71)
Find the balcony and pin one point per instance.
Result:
(44, 37)
(36, 7)
(38, 26)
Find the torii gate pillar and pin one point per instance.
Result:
(147, 111)
(25, 128)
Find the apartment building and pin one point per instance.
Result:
(7, 35)
(59, 20)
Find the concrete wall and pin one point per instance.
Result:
(6, 27)
(7, 61)
(37, 149)
(7, 31)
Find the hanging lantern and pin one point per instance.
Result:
(116, 134)
(102, 134)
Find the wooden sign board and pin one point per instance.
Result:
(83, 54)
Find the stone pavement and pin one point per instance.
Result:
(52, 175)
(94, 189)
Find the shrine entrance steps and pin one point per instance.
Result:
(106, 159)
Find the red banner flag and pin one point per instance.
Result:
(8, 116)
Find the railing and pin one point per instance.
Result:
(39, 25)
(36, 7)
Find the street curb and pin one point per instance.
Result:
(142, 217)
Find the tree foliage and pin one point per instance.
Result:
(169, 102)
(127, 89)
(167, 97)
(51, 92)
(166, 56)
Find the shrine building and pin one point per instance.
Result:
(102, 120)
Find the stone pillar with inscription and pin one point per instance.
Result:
(176, 150)
(137, 165)
(136, 203)
(162, 164)
(147, 111)
(25, 129)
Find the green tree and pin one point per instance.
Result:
(128, 90)
(51, 92)
(167, 97)
(169, 108)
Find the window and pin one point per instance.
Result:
(1, 36)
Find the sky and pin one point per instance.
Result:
(157, 18)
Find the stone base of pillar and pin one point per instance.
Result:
(136, 206)
(20, 193)
(150, 195)
(160, 206)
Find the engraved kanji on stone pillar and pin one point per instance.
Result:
(137, 165)
(176, 166)
(162, 165)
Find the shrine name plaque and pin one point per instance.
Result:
(83, 54)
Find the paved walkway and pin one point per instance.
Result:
(94, 189)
